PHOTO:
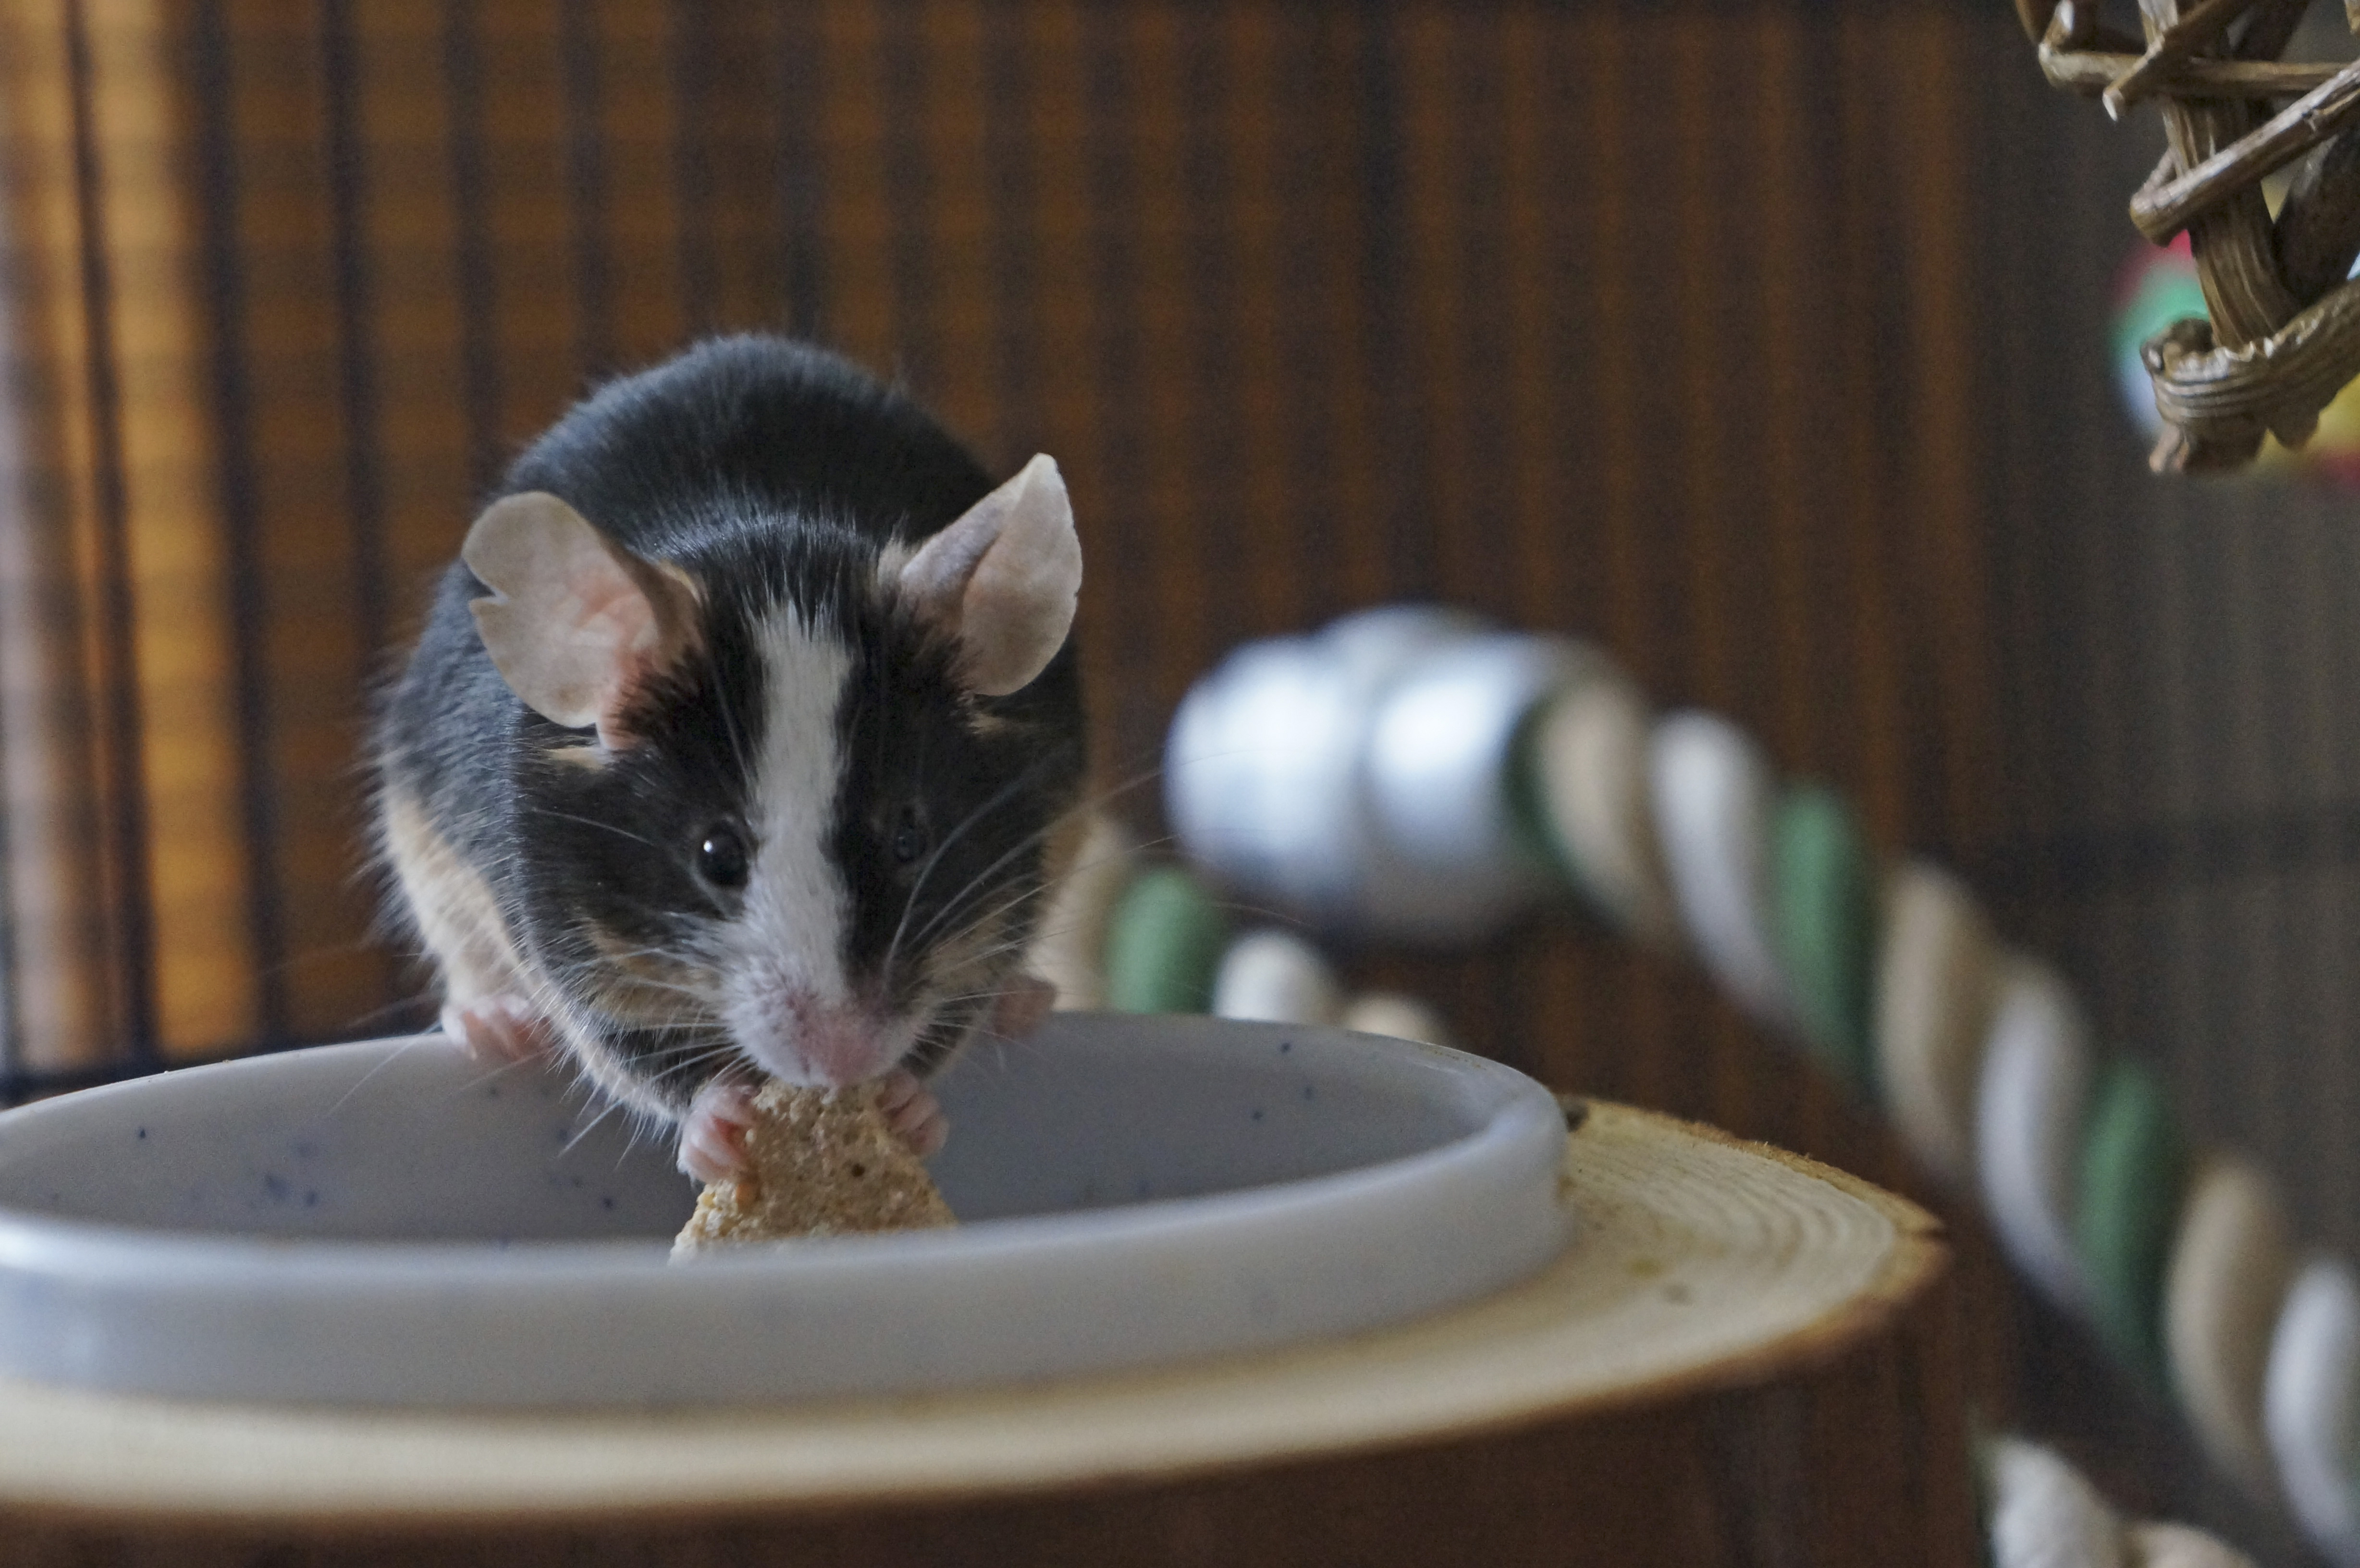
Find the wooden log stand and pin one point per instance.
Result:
(1744, 1358)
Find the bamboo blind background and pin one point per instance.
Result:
(1653, 327)
(1762, 343)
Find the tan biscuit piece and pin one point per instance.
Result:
(822, 1162)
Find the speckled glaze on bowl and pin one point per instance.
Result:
(386, 1223)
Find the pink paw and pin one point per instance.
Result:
(500, 1029)
(712, 1138)
(1023, 1006)
(911, 1112)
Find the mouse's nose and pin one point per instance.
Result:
(798, 1024)
(840, 1044)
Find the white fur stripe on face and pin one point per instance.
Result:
(797, 907)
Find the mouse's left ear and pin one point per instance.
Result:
(1003, 580)
(576, 621)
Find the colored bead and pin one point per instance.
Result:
(2161, 287)
(1823, 891)
(1453, 862)
(1262, 766)
(1401, 1018)
(1164, 945)
(1935, 978)
(2310, 1399)
(1276, 976)
(2133, 1172)
(1585, 779)
(1071, 951)
(2222, 1292)
(2044, 1515)
(2031, 1104)
(1712, 792)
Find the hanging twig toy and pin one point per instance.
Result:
(2284, 333)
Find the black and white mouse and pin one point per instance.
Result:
(744, 739)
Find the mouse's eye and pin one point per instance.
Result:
(909, 840)
(721, 857)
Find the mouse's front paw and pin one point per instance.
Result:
(712, 1138)
(500, 1029)
(911, 1112)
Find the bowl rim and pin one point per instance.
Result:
(101, 1251)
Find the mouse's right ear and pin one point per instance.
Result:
(1002, 580)
(575, 621)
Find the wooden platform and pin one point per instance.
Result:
(1744, 1358)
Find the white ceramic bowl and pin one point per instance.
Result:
(388, 1223)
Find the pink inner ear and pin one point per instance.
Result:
(617, 614)
(612, 609)
(577, 623)
(1002, 578)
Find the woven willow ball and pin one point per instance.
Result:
(2038, 1075)
(1262, 767)
(1450, 860)
(2279, 333)
(2044, 1515)
(1277, 978)
(2310, 1401)
(1712, 792)
(2160, 287)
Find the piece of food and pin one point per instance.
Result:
(821, 1163)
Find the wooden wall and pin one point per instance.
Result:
(1650, 324)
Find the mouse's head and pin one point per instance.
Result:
(788, 792)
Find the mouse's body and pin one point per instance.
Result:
(744, 737)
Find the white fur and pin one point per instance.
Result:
(797, 907)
